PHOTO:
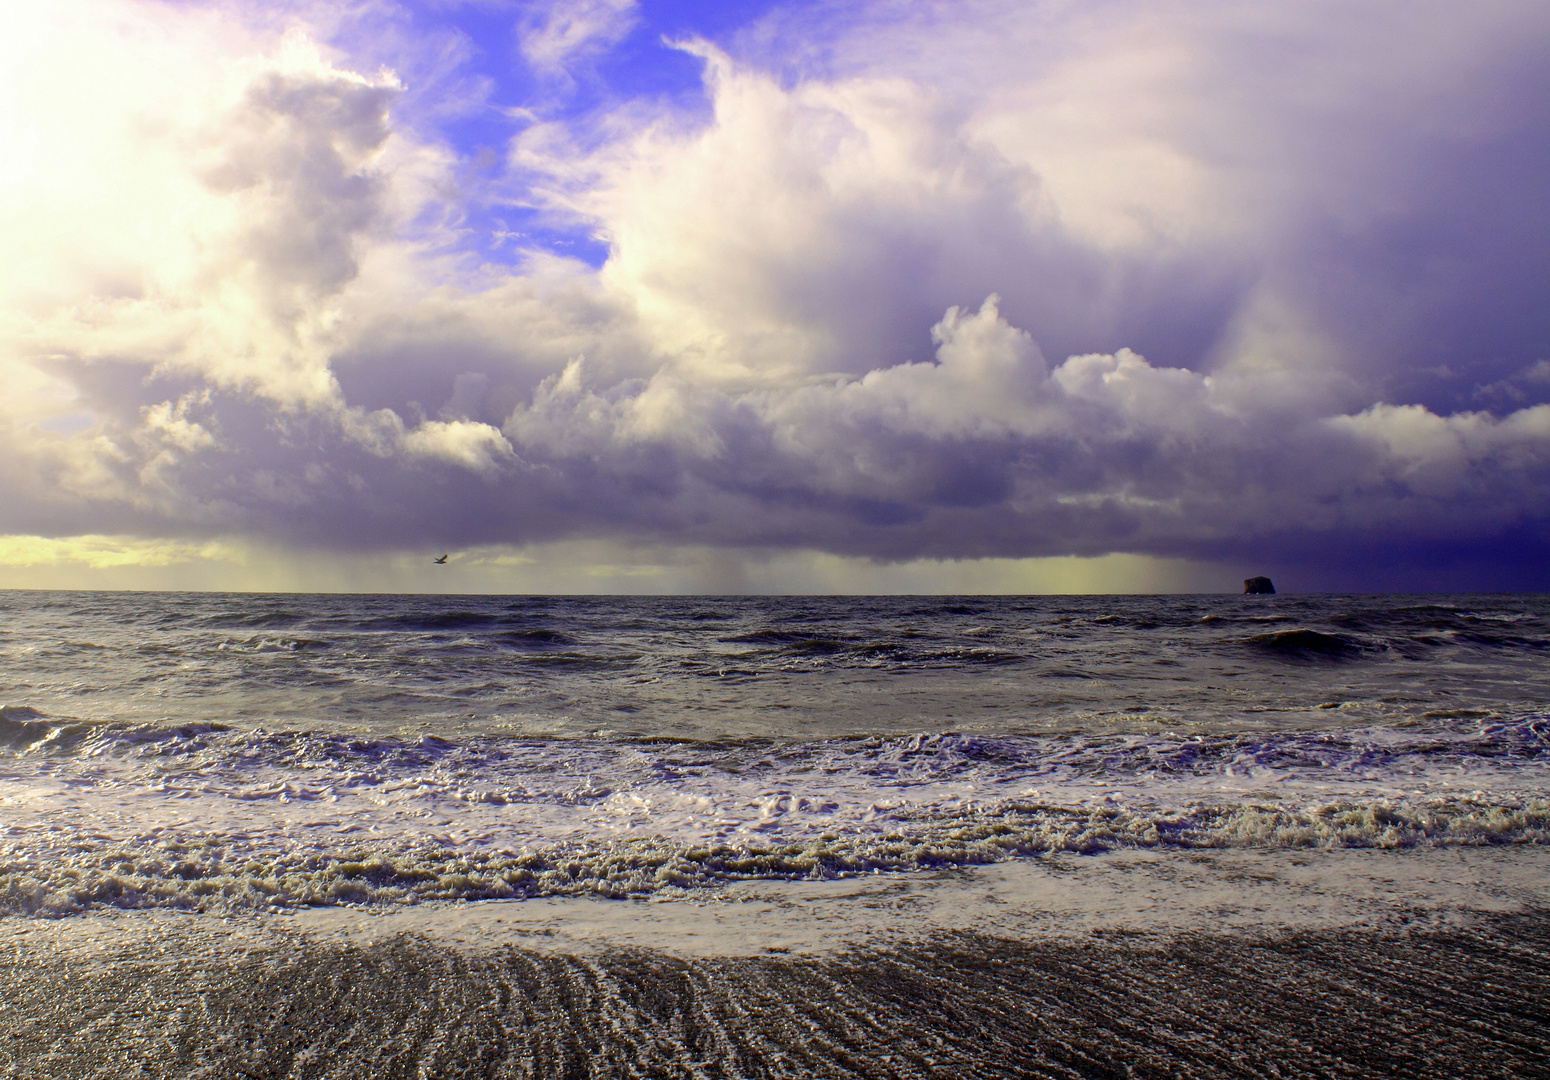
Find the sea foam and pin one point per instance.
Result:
(199, 815)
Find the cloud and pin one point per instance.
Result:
(472, 445)
(1102, 452)
(988, 282)
(557, 34)
(211, 242)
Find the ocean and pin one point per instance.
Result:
(319, 835)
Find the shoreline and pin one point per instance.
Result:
(1146, 891)
(1212, 964)
(1137, 891)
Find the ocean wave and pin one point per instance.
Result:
(1308, 644)
(194, 814)
(817, 667)
(22, 726)
(203, 873)
(1453, 742)
(537, 638)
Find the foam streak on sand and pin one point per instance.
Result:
(1358, 1003)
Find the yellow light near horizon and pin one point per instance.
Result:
(96, 552)
(576, 567)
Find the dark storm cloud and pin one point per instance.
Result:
(1264, 284)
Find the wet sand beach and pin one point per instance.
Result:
(1147, 964)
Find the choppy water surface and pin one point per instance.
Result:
(189, 749)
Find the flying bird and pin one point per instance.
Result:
(439, 561)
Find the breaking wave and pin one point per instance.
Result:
(205, 873)
(200, 815)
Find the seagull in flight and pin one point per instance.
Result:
(441, 561)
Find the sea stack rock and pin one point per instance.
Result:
(1258, 586)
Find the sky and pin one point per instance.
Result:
(637, 296)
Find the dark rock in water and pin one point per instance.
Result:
(1258, 585)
